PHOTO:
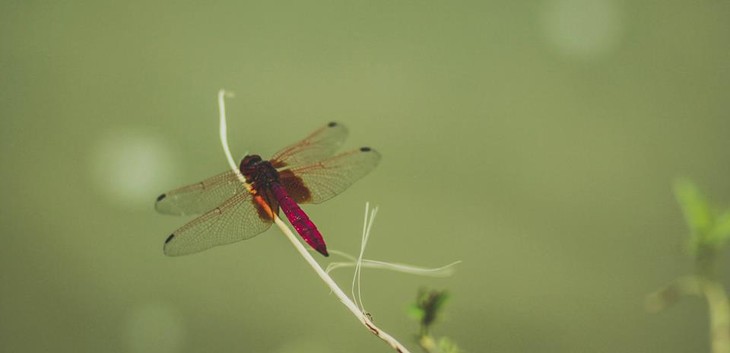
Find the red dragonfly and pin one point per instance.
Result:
(304, 172)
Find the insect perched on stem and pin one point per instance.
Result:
(304, 172)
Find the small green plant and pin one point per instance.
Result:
(426, 310)
(709, 232)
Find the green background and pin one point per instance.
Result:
(536, 141)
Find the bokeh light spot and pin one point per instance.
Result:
(154, 328)
(129, 167)
(583, 29)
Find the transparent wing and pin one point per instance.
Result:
(238, 218)
(318, 145)
(200, 197)
(321, 181)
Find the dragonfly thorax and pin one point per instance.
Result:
(258, 172)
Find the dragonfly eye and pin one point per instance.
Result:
(249, 162)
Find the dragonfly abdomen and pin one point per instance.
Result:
(299, 220)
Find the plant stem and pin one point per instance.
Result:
(717, 301)
(364, 319)
(719, 316)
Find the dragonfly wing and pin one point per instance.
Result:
(321, 181)
(200, 197)
(236, 219)
(317, 146)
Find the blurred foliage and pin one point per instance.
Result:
(709, 227)
(427, 310)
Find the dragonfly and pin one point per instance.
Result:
(229, 210)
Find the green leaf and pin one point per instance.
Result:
(721, 229)
(696, 211)
(416, 312)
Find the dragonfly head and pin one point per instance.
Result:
(249, 164)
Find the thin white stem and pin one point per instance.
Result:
(355, 286)
(222, 94)
(443, 271)
(357, 277)
(349, 304)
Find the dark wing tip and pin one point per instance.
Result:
(169, 238)
(362, 149)
(161, 197)
(332, 124)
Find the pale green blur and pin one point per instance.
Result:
(535, 141)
